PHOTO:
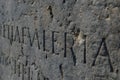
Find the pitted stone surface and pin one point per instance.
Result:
(59, 40)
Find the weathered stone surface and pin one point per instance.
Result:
(59, 40)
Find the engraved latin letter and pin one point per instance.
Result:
(37, 38)
(43, 40)
(107, 53)
(53, 41)
(17, 35)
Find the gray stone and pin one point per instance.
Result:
(59, 40)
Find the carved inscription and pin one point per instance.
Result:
(23, 36)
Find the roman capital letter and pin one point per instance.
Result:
(71, 48)
(65, 35)
(4, 31)
(17, 35)
(37, 38)
(11, 38)
(0, 30)
(26, 29)
(43, 40)
(107, 53)
(53, 41)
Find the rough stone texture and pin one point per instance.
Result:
(59, 39)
